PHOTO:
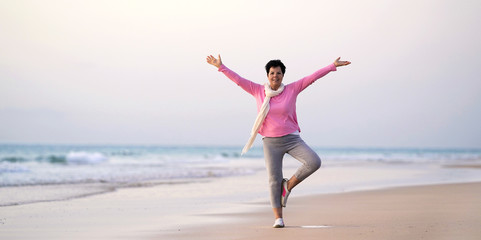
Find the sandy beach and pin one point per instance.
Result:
(237, 208)
(448, 211)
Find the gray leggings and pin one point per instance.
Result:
(274, 150)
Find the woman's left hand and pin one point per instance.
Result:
(339, 63)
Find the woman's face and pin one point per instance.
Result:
(275, 77)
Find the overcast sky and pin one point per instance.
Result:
(134, 72)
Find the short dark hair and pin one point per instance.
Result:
(275, 63)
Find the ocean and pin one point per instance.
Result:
(113, 166)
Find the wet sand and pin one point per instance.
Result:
(446, 211)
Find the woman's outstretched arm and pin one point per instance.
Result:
(249, 86)
(308, 80)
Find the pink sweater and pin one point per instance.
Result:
(281, 118)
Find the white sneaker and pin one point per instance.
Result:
(285, 193)
(279, 223)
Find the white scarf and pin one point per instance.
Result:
(262, 114)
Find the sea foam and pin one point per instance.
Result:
(85, 158)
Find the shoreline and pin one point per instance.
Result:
(70, 191)
(63, 192)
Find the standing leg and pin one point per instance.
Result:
(273, 154)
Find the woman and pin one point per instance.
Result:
(277, 123)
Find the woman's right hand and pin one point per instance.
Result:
(213, 61)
